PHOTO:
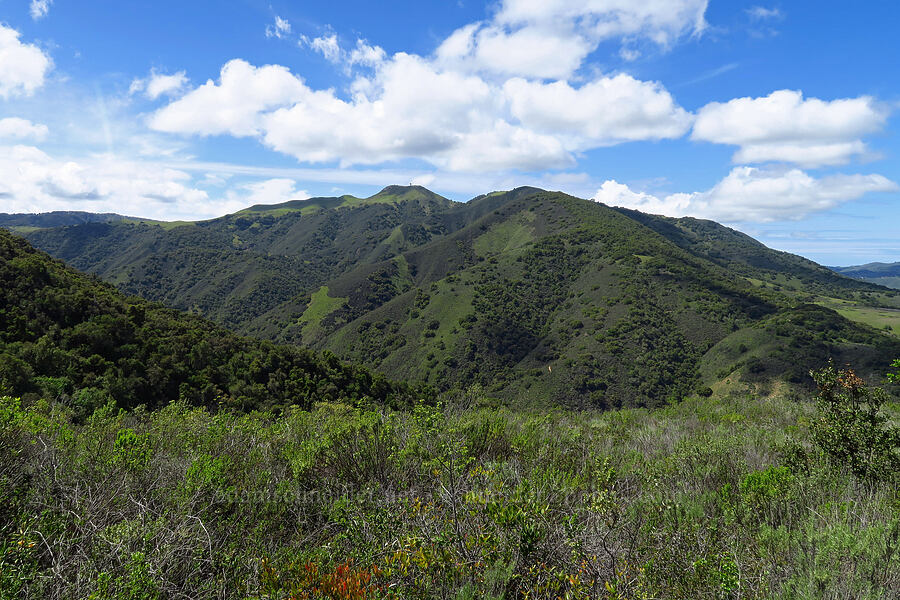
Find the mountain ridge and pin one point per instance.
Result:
(880, 273)
(532, 294)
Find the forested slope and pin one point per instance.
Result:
(69, 336)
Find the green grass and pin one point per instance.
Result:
(403, 279)
(320, 305)
(884, 319)
(23, 228)
(389, 195)
(740, 346)
(394, 242)
(165, 225)
(506, 236)
(275, 212)
(304, 207)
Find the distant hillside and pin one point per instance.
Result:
(743, 255)
(534, 295)
(886, 274)
(68, 336)
(30, 222)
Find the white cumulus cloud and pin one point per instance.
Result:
(542, 52)
(496, 94)
(550, 39)
(22, 66)
(409, 107)
(234, 105)
(749, 194)
(14, 128)
(784, 126)
(603, 112)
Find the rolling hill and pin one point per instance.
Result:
(886, 274)
(24, 222)
(534, 295)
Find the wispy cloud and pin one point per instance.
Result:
(761, 13)
(711, 74)
(40, 8)
(159, 84)
(280, 29)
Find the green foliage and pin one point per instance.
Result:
(137, 583)
(895, 377)
(852, 429)
(66, 336)
(760, 488)
(450, 501)
(132, 450)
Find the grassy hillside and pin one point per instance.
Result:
(70, 337)
(535, 295)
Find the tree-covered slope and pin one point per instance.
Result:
(743, 255)
(68, 336)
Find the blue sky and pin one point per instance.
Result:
(777, 118)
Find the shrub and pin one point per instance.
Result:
(762, 487)
(851, 428)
